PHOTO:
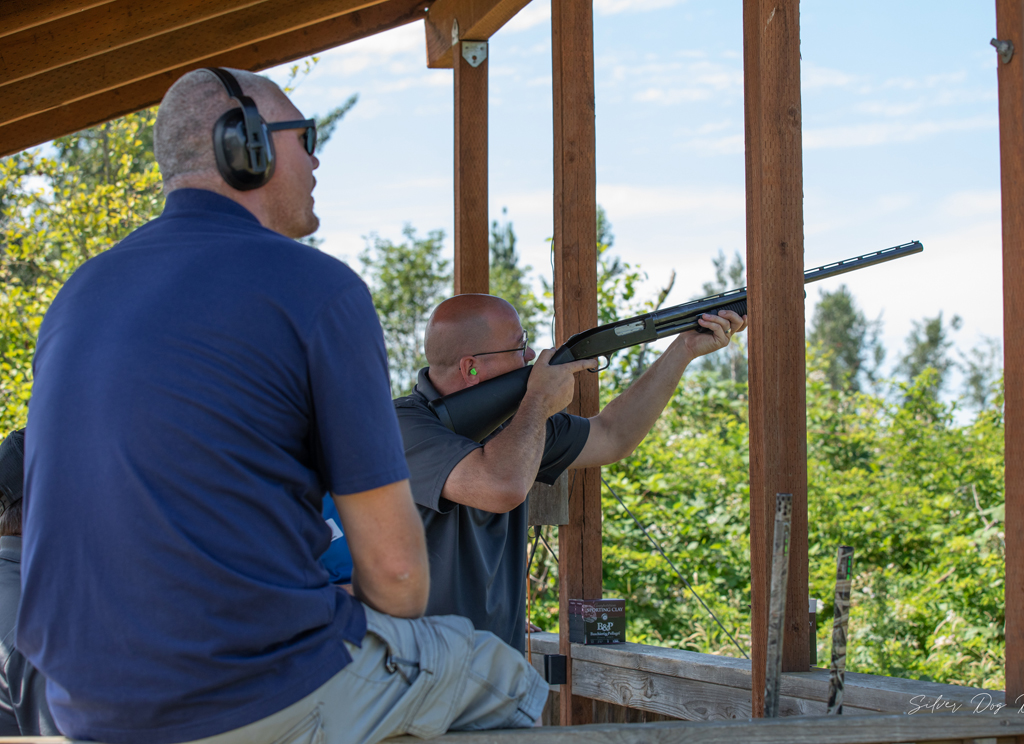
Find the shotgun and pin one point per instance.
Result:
(477, 411)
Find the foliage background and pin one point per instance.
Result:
(907, 479)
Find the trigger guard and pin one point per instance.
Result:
(607, 364)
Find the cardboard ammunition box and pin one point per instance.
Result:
(594, 621)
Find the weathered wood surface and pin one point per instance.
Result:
(100, 30)
(549, 504)
(575, 290)
(18, 15)
(166, 52)
(1010, 26)
(775, 247)
(803, 730)
(695, 686)
(288, 47)
(472, 248)
(478, 19)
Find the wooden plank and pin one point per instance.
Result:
(549, 504)
(101, 30)
(18, 15)
(477, 19)
(777, 602)
(678, 697)
(778, 438)
(867, 692)
(471, 226)
(575, 280)
(166, 52)
(96, 109)
(1010, 25)
(797, 730)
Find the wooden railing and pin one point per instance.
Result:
(701, 687)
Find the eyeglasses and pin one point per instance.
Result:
(526, 342)
(309, 136)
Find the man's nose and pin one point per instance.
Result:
(530, 354)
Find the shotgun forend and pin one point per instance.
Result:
(477, 411)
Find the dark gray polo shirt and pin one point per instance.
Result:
(477, 558)
(23, 708)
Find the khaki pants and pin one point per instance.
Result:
(420, 677)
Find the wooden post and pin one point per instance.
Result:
(575, 246)
(775, 249)
(471, 230)
(841, 620)
(1010, 27)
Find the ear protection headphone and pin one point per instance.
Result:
(241, 141)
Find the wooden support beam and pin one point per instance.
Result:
(167, 52)
(18, 15)
(1010, 26)
(477, 19)
(96, 109)
(575, 246)
(101, 30)
(775, 250)
(471, 235)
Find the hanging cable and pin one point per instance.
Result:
(667, 560)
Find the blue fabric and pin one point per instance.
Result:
(337, 559)
(197, 389)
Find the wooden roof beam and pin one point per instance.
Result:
(95, 109)
(18, 15)
(167, 52)
(478, 21)
(100, 30)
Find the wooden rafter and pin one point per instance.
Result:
(170, 51)
(100, 107)
(18, 15)
(101, 30)
(478, 21)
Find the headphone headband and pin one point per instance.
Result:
(241, 142)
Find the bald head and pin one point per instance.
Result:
(183, 134)
(464, 325)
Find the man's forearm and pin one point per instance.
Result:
(514, 455)
(627, 418)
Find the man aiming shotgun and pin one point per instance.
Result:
(472, 495)
(471, 484)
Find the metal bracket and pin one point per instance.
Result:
(455, 31)
(474, 52)
(1005, 49)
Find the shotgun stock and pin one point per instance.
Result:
(477, 411)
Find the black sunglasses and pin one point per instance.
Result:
(309, 136)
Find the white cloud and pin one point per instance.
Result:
(626, 201)
(866, 135)
(966, 204)
(814, 77)
(532, 15)
(611, 7)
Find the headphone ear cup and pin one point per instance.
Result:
(230, 146)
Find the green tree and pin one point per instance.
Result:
(58, 212)
(841, 333)
(983, 370)
(928, 348)
(509, 280)
(407, 280)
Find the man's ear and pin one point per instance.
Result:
(470, 375)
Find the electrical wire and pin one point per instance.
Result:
(670, 563)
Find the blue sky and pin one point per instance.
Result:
(900, 134)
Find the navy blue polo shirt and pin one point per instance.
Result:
(198, 387)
